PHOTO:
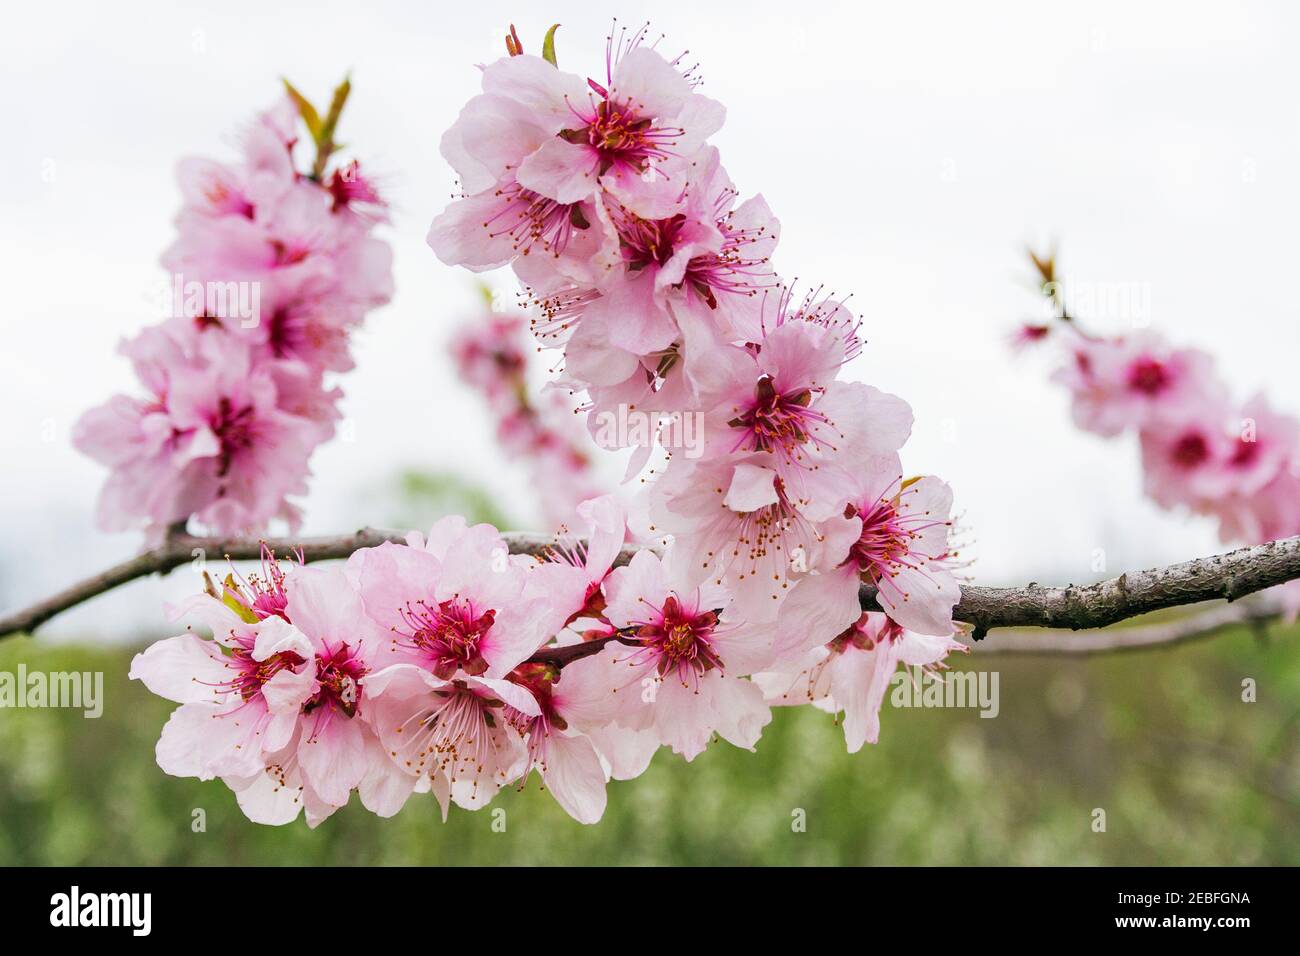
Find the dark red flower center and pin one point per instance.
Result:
(1148, 376)
(449, 634)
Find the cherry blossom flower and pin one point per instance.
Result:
(852, 673)
(451, 737)
(215, 444)
(682, 675)
(903, 546)
(574, 571)
(273, 703)
(457, 603)
(234, 404)
(566, 759)
(540, 431)
(786, 450)
(780, 402)
(1128, 382)
(644, 119)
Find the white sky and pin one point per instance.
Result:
(910, 151)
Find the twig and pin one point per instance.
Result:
(1226, 576)
(1221, 577)
(1192, 627)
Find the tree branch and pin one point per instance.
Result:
(180, 549)
(1257, 612)
(1222, 577)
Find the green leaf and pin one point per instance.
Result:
(336, 108)
(305, 109)
(231, 600)
(548, 47)
(325, 145)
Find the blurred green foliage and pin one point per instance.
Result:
(426, 496)
(1186, 771)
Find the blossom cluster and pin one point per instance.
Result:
(1238, 463)
(450, 666)
(492, 357)
(273, 268)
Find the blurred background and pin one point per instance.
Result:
(911, 154)
(1161, 741)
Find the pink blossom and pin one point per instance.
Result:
(903, 546)
(490, 356)
(1262, 444)
(644, 119)
(575, 571)
(779, 402)
(214, 444)
(456, 604)
(681, 676)
(1129, 382)
(852, 673)
(786, 448)
(894, 533)
(1184, 463)
(451, 737)
(566, 758)
(678, 282)
(277, 714)
(234, 404)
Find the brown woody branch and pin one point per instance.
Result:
(1257, 611)
(1222, 577)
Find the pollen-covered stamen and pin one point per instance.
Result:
(678, 639)
(779, 422)
(652, 242)
(558, 313)
(248, 675)
(646, 242)
(262, 594)
(456, 735)
(817, 307)
(891, 538)
(625, 43)
(448, 634)
(339, 673)
(731, 269)
(621, 136)
(617, 130)
(281, 774)
(766, 542)
(530, 219)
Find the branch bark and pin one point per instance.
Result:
(1222, 577)
(1257, 611)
